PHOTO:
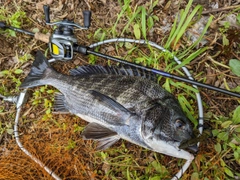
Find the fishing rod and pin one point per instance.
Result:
(85, 50)
(38, 35)
(63, 44)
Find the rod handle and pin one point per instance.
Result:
(42, 37)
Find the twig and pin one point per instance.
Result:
(236, 56)
(220, 9)
(1, 137)
(216, 62)
(88, 5)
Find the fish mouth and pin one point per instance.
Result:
(190, 144)
(193, 148)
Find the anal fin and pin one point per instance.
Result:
(107, 142)
(59, 105)
(103, 135)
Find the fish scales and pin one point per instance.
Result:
(83, 103)
(130, 94)
(118, 106)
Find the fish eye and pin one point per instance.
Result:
(179, 124)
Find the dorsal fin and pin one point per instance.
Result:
(124, 70)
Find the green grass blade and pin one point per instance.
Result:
(187, 88)
(184, 53)
(178, 29)
(191, 57)
(183, 15)
(131, 20)
(182, 30)
(144, 31)
(187, 108)
(125, 7)
(172, 33)
(166, 85)
(173, 29)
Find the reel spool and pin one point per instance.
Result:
(62, 40)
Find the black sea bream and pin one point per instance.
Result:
(118, 103)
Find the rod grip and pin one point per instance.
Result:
(87, 18)
(46, 9)
(41, 37)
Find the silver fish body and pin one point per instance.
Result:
(117, 106)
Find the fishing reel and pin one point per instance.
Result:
(62, 41)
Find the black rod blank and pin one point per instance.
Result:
(4, 26)
(165, 74)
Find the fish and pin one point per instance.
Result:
(119, 103)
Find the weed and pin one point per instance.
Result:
(71, 144)
(44, 96)
(12, 19)
(99, 35)
(77, 128)
(122, 161)
(12, 76)
(139, 19)
(186, 19)
(223, 163)
(223, 31)
(6, 127)
(235, 66)
(2, 129)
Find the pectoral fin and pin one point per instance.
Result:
(103, 135)
(122, 114)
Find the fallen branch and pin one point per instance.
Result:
(220, 9)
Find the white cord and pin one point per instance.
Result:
(188, 74)
(20, 101)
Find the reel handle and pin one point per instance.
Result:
(86, 15)
(87, 18)
(46, 9)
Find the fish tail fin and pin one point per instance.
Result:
(38, 72)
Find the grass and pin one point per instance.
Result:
(12, 19)
(55, 138)
(228, 137)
